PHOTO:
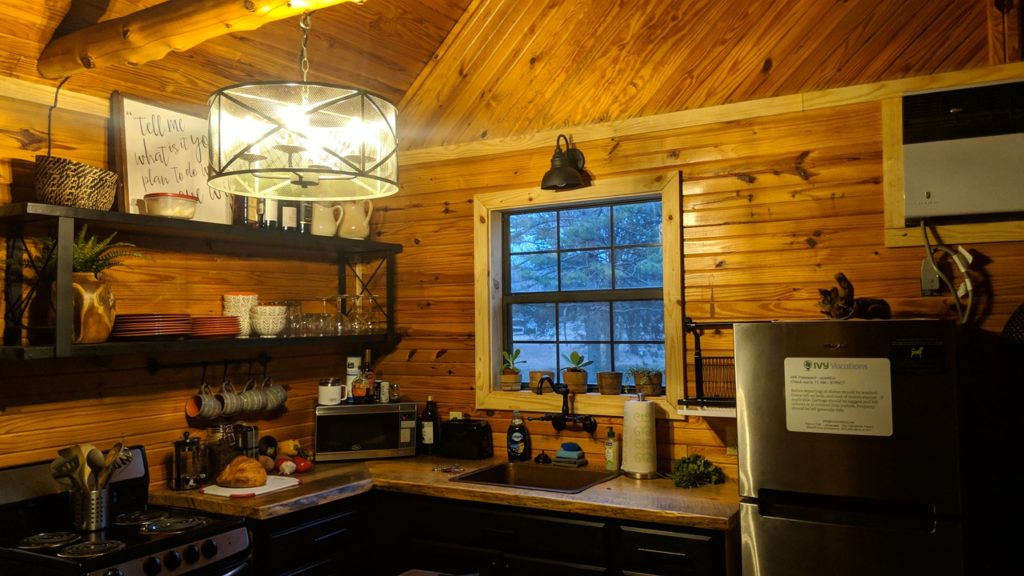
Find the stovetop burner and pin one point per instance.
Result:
(139, 517)
(48, 540)
(172, 525)
(88, 549)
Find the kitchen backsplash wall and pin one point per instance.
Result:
(775, 206)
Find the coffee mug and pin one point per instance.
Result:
(203, 405)
(230, 400)
(253, 400)
(275, 393)
(326, 219)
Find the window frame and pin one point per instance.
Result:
(488, 209)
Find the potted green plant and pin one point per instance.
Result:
(574, 376)
(511, 377)
(647, 380)
(93, 309)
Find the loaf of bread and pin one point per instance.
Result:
(242, 472)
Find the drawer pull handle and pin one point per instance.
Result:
(330, 535)
(662, 552)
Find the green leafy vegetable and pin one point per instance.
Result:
(694, 471)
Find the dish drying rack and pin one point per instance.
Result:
(715, 376)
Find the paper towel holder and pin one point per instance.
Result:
(641, 475)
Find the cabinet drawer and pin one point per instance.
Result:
(318, 541)
(653, 551)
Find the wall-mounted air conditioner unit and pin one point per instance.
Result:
(963, 154)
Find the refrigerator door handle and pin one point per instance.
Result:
(840, 510)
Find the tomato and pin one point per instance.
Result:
(302, 464)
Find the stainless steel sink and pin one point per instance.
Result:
(537, 477)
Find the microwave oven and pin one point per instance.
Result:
(364, 431)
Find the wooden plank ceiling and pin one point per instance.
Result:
(467, 70)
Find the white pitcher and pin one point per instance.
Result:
(326, 218)
(355, 219)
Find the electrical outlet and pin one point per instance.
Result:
(929, 279)
(455, 415)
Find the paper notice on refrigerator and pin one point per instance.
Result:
(839, 396)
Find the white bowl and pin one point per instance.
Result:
(170, 205)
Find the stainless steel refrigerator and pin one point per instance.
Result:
(848, 448)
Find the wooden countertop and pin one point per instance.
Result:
(659, 501)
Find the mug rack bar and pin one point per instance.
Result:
(263, 359)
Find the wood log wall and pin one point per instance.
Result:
(775, 206)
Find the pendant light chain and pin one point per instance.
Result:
(305, 24)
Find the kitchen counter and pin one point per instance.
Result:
(713, 507)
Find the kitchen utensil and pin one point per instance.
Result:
(187, 463)
(113, 455)
(94, 458)
(84, 472)
(63, 470)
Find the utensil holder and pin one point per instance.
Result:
(91, 509)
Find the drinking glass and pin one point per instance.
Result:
(358, 319)
(341, 323)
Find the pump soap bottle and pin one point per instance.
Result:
(611, 451)
(518, 439)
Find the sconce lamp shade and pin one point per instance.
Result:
(566, 167)
(301, 140)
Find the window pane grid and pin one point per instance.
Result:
(562, 290)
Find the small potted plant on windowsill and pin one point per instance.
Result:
(647, 380)
(574, 376)
(511, 377)
(609, 383)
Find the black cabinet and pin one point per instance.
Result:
(471, 538)
(358, 262)
(324, 540)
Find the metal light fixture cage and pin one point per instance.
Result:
(301, 140)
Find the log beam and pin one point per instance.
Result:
(174, 25)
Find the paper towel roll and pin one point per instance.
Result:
(639, 442)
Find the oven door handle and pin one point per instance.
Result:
(238, 570)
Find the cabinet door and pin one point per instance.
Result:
(536, 566)
(310, 545)
(653, 551)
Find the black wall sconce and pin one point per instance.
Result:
(566, 168)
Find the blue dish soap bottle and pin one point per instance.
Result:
(518, 439)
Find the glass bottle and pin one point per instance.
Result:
(368, 377)
(428, 428)
(289, 216)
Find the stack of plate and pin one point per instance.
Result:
(151, 325)
(215, 327)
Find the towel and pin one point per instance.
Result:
(569, 454)
(570, 463)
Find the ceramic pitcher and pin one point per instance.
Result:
(326, 218)
(355, 220)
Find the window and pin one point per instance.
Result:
(586, 279)
(632, 283)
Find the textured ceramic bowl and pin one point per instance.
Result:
(268, 320)
(170, 205)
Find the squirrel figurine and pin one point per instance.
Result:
(840, 304)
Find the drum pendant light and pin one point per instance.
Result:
(566, 167)
(302, 140)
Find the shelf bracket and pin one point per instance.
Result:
(153, 365)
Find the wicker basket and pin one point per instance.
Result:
(65, 182)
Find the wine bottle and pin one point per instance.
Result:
(369, 378)
(289, 216)
(428, 427)
(270, 218)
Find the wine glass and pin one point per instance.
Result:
(341, 322)
(358, 320)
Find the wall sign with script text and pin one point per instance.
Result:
(164, 150)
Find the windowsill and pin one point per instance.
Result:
(592, 403)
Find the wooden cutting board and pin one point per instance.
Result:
(274, 483)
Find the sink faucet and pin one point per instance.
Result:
(559, 421)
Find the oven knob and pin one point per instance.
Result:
(191, 554)
(172, 560)
(151, 566)
(209, 548)
(113, 572)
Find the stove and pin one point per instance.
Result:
(37, 537)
